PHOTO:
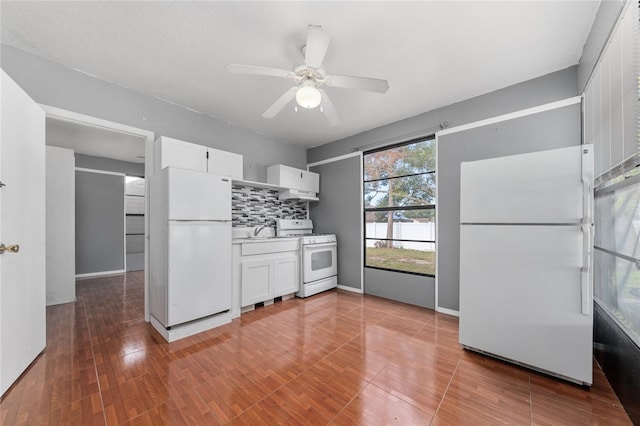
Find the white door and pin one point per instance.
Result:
(22, 222)
(538, 187)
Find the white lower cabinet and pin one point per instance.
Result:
(257, 281)
(265, 270)
(286, 275)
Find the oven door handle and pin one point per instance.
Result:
(315, 246)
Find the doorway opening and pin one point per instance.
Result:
(96, 173)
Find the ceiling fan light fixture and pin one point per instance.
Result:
(308, 96)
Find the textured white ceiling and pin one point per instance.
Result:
(95, 141)
(432, 53)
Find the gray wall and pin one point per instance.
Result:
(339, 212)
(135, 261)
(557, 128)
(99, 163)
(605, 19)
(416, 289)
(548, 88)
(99, 222)
(52, 84)
(406, 288)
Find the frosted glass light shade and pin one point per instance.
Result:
(308, 97)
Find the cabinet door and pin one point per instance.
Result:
(286, 275)
(284, 176)
(225, 163)
(310, 181)
(257, 281)
(185, 155)
(290, 177)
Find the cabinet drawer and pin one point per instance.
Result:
(267, 247)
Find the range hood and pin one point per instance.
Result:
(297, 194)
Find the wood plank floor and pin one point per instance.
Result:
(336, 358)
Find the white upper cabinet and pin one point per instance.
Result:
(175, 153)
(224, 163)
(290, 177)
(310, 181)
(185, 155)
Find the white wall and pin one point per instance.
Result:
(60, 225)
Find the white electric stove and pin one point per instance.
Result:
(318, 255)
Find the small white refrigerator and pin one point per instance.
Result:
(526, 260)
(190, 245)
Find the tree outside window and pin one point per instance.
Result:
(399, 199)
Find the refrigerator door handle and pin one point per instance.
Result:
(585, 272)
(587, 184)
(587, 203)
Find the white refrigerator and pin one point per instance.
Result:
(190, 245)
(526, 260)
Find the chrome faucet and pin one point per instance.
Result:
(256, 231)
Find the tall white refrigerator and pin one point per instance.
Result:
(525, 260)
(190, 245)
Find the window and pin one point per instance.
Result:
(399, 207)
(617, 253)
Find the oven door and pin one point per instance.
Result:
(319, 261)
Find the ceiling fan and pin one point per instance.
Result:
(309, 77)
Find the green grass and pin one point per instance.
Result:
(422, 262)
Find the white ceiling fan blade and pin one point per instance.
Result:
(362, 83)
(254, 70)
(317, 43)
(328, 109)
(282, 102)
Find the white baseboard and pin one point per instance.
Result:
(351, 289)
(60, 301)
(189, 329)
(448, 311)
(99, 274)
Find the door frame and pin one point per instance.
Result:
(148, 136)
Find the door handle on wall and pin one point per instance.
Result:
(13, 248)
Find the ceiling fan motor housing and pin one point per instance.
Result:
(304, 72)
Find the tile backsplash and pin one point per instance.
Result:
(257, 206)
